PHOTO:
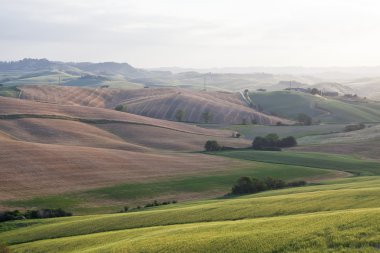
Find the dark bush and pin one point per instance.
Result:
(212, 146)
(272, 142)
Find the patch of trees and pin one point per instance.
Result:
(247, 185)
(355, 127)
(272, 142)
(212, 145)
(33, 214)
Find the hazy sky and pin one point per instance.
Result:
(196, 33)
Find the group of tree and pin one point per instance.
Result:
(247, 185)
(355, 127)
(212, 145)
(272, 142)
(33, 214)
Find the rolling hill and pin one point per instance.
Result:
(340, 216)
(327, 110)
(162, 103)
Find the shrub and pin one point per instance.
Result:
(212, 146)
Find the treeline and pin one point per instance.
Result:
(33, 214)
(151, 204)
(212, 145)
(247, 185)
(272, 142)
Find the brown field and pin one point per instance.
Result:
(33, 169)
(161, 103)
(364, 149)
(41, 154)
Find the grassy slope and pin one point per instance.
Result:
(309, 159)
(290, 104)
(9, 91)
(311, 218)
(199, 183)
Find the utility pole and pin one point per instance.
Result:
(59, 80)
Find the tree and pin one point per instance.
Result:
(304, 119)
(179, 115)
(244, 121)
(272, 140)
(273, 183)
(207, 116)
(259, 143)
(121, 108)
(315, 91)
(288, 142)
(242, 186)
(212, 146)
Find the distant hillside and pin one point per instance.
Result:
(162, 103)
(290, 104)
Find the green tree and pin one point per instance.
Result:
(121, 108)
(288, 142)
(212, 146)
(179, 115)
(207, 116)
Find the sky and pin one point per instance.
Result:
(196, 33)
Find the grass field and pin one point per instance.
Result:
(201, 184)
(338, 216)
(9, 91)
(308, 159)
(290, 104)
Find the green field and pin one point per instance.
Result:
(9, 91)
(134, 194)
(308, 159)
(290, 104)
(338, 216)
